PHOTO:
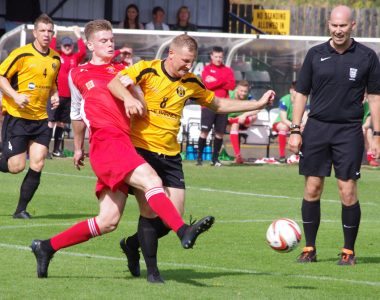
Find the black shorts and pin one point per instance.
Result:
(209, 117)
(330, 144)
(18, 132)
(62, 112)
(169, 168)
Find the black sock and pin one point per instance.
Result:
(4, 165)
(217, 146)
(201, 146)
(350, 223)
(149, 243)
(58, 137)
(28, 188)
(311, 218)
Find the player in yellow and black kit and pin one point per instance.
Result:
(28, 80)
(166, 85)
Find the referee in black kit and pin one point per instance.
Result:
(336, 75)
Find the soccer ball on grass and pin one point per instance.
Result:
(283, 235)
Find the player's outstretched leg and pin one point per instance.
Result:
(189, 233)
(43, 257)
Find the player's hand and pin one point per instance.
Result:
(54, 101)
(295, 143)
(78, 159)
(210, 78)
(22, 100)
(267, 99)
(134, 107)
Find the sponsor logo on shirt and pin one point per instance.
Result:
(31, 86)
(325, 58)
(353, 73)
(90, 84)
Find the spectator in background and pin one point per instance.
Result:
(183, 20)
(284, 120)
(131, 18)
(220, 79)
(240, 120)
(19, 12)
(368, 133)
(157, 23)
(60, 117)
(124, 55)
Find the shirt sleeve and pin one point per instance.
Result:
(76, 99)
(304, 81)
(373, 85)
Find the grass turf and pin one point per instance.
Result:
(231, 261)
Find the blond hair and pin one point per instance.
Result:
(95, 26)
(184, 40)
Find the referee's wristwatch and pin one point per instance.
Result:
(294, 126)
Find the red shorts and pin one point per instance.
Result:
(274, 127)
(247, 121)
(112, 157)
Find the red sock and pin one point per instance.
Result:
(164, 208)
(76, 234)
(234, 137)
(282, 142)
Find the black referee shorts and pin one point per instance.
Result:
(169, 168)
(209, 117)
(18, 132)
(331, 144)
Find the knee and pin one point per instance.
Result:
(347, 197)
(107, 225)
(313, 192)
(16, 167)
(152, 181)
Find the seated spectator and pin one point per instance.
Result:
(240, 120)
(282, 124)
(158, 15)
(183, 20)
(131, 18)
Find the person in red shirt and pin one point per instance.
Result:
(113, 157)
(69, 59)
(218, 78)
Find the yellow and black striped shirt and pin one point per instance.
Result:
(32, 73)
(165, 98)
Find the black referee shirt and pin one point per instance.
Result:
(337, 82)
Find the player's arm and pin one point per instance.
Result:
(284, 117)
(79, 127)
(120, 87)
(222, 105)
(295, 140)
(374, 105)
(20, 99)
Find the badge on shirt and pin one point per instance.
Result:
(353, 73)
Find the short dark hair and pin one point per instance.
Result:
(243, 83)
(156, 9)
(293, 84)
(217, 49)
(43, 18)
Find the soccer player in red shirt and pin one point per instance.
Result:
(112, 155)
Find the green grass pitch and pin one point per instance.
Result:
(231, 261)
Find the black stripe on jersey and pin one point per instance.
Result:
(56, 57)
(146, 71)
(15, 60)
(195, 80)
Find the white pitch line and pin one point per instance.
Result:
(214, 268)
(225, 191)
(9, 227)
